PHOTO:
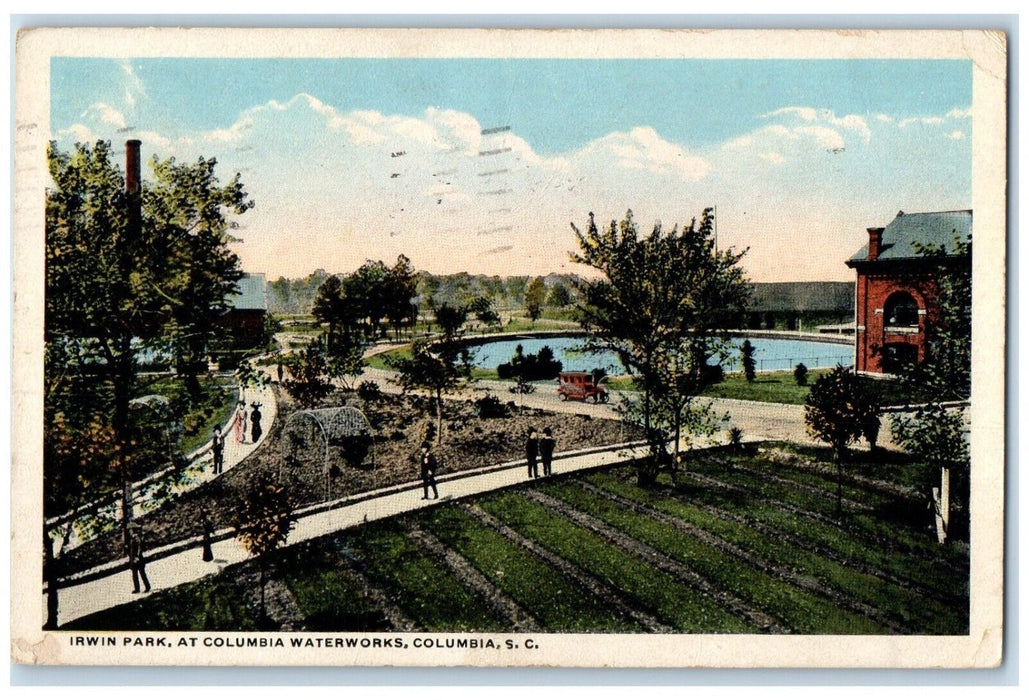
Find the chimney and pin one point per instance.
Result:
(133, 189)
(875, 243)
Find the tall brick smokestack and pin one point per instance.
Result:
(133, 189)
(875, 243)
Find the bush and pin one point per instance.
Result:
(369, 391)
(489, 406)
(800, 374)
(542, 365)
(749, 364)
(713, 374)
(735, 438)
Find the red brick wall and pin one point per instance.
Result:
(873, 290)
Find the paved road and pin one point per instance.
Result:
(151, 493)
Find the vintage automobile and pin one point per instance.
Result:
(579, 386)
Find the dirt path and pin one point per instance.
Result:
(625, 606)
(280, 605)
(726, 600)
(806, 583)
(793, 541)
(396, 617)
(475, 582)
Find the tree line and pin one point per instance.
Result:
(297, 296)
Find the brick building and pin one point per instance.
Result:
(896, 286)
(244, 320)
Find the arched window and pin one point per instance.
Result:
(901, 310)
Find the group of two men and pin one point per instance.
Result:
(539, 450)
(536, 450)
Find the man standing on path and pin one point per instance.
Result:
(255, 422)
(217, 450)
(429, 466)
(532, 448)
(137, 558)
(547, 450)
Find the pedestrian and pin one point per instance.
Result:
(532, 448)
(547, 450)
(429, 466)
(278, 370)
(208, 533)
(255, 422)
(239, 423)
(217, 450)
(137, 558)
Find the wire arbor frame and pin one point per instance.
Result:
(339, 437)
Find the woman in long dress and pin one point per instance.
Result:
(239, 423)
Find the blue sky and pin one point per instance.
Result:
(796, 154)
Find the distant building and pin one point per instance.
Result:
(795, 306)
(896, 288)
(244, 320)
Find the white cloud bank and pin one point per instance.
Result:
(336, 188)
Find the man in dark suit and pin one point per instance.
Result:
(217, 450)
(547, 450)
(429, 466)
(532, 448)
(137, 559)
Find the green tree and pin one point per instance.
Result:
(484, 312)
(434, 367)
(559, 296)
(937, 436)
(364, 291)
(535, 295)
(835, 412)
(262, 522)
(186, 216)
(400, 289)
(345, 360)
(450, 319)
(663, 305)
(935, 430)
(749, 365)
(128, 271)
(309, 371)
(329, 308)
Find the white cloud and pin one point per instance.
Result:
(134, 89)
(808, 114)
(960, 113)
(334, 188)
(106, 114)
(925, 121)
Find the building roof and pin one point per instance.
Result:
(937, 228)
(802, 296)
(251, 295)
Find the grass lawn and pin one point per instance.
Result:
(774, 387)
(728, 538)
(214, 604)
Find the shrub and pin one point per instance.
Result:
(541, 365)
(749, 364)
(369, 391)
(735, 438)
(713, 374)
(489, 406)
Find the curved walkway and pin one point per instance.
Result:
(110, 584)
(150, 493)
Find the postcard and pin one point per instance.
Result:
(570, 348)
